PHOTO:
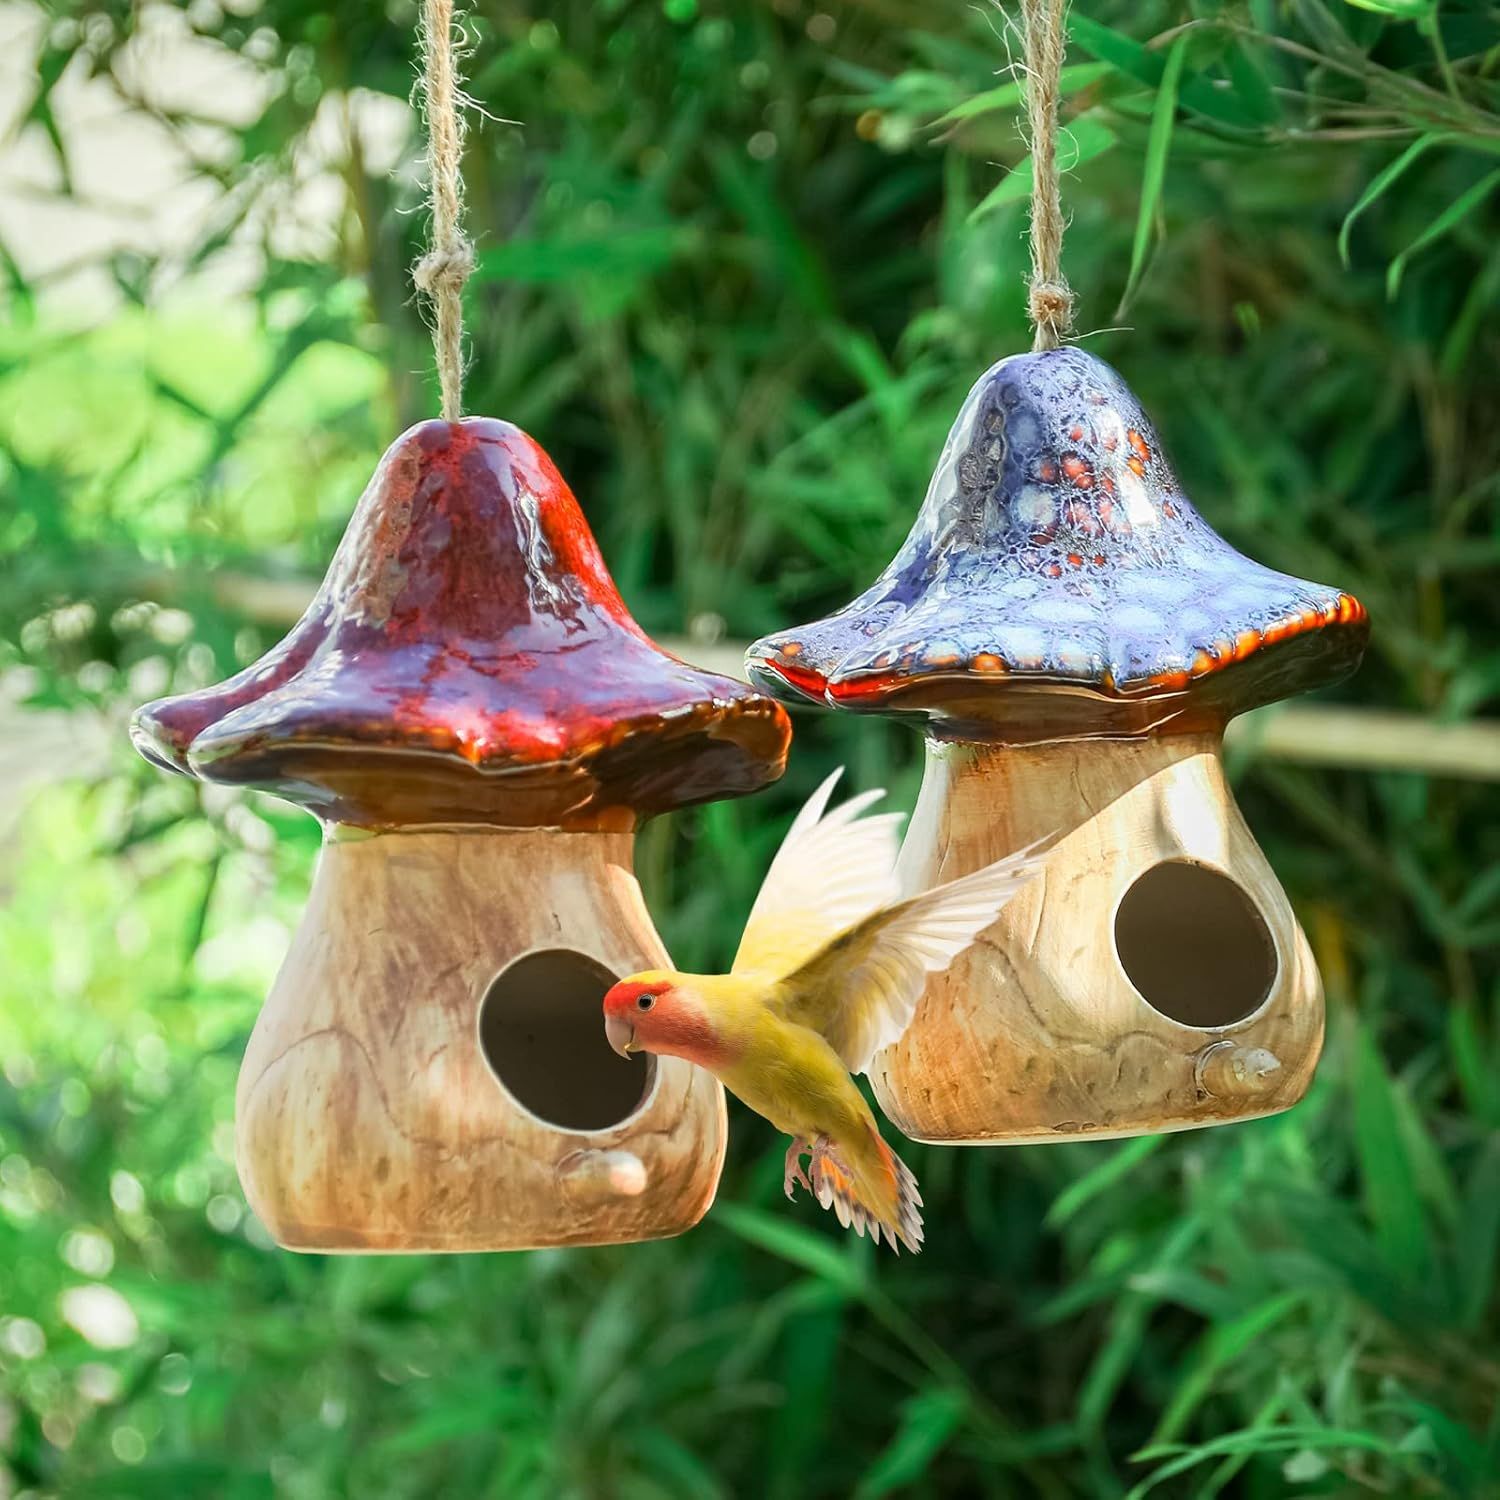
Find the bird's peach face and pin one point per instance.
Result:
(649, 1013)
(630, 1017)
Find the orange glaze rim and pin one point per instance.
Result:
(1345, 610)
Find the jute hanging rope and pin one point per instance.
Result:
(1051, 298)
(441, 273)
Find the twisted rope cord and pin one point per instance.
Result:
(442, 272)
(1050, 301)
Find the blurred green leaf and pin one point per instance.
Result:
(1453, 215)
(1263, 1441)
(812, 1251)
(1385, 179)
(928, 1422)
(1390, 1185)
(1158, 144)
(1118, 1164)
(1081, 141)
(1220, 1346)
(1149, 67)
(1402, 10)
(627, 253)
(1252, 84)
(1478, 1235)
(1008, 96)
(680, 1469)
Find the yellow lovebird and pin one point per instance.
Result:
(828, 972)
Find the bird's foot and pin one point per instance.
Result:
(794, 1173)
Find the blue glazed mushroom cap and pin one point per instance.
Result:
(1058, 581)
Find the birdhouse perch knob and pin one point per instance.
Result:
(1229, 1071)
(602, 1174)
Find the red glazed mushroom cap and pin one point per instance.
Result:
(468, 660)
(1057, 581)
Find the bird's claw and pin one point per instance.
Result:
(820, 1151)
(794, 1173)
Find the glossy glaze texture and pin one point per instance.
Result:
(1058, 580)
(468, 660)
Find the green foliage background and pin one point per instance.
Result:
(738, 267)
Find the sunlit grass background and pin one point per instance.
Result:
(738, 265)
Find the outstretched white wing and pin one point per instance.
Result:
(861, 990)
(830, 872)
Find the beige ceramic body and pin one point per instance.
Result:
(367, 1116)
(1036, 1033)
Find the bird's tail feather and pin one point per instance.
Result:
(873, 1191)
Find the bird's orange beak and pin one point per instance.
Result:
(621, 1034)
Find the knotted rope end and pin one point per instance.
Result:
(1050, 308)
(444, 270)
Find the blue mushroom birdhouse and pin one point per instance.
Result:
(1073, 637)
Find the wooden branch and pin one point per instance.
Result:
(1370, 739)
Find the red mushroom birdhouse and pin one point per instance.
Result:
(472, 712)
(1074, 637)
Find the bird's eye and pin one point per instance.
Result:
(645, 1002)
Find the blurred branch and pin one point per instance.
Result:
(1356, 739)
(1371, 739)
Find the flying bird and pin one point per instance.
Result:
(828, 972)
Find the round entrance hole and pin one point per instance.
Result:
(541, 1029)
(1194, 945)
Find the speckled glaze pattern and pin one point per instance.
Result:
(469, 660)
(1056, 548)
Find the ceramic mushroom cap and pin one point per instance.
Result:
(1057, 580)
(468, 660)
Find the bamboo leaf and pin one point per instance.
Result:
(1384, 179)
(1474, 1067)
(753, 195)
(813, 1252)
(626, 252)
(1136, 61)
(1478, 1236)
(454, 1415)
(1391, 1195)
(1127, 1331)
(1455, 213)
(1252, 85)
(1288, 1439)
(1087, 137)
(682, 1470)
(1117, 1164)
(1401, 10)
(1072, 80)
(928, 1422)
(1219, 1347)
(1158, 144)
